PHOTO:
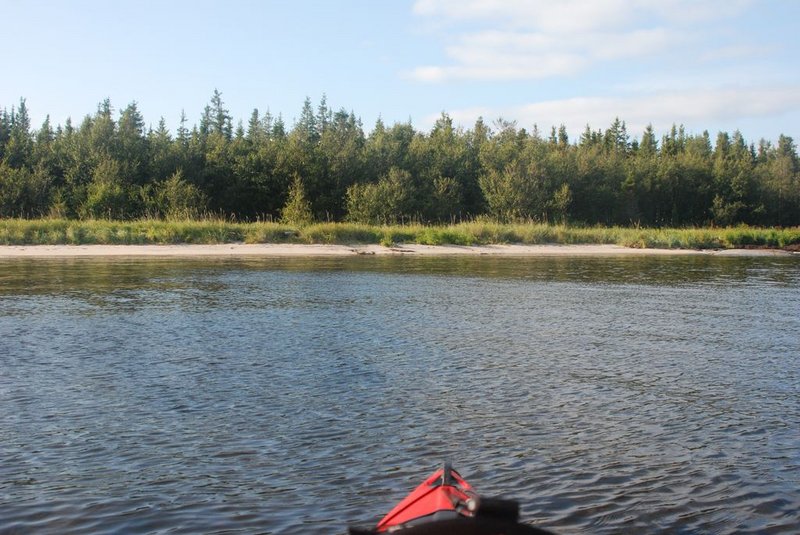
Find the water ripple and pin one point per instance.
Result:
(278, 396)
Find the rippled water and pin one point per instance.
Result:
(297, 396)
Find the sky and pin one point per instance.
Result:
(716, 65)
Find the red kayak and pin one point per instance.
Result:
(443, 495)
(446, 503)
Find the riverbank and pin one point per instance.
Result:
(477, 236)
(306, 250)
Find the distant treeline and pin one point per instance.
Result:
(325, 167)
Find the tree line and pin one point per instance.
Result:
(326, 167)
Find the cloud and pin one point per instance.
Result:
(475, 62)
(692, 11)
(566, 15)
(495, 55)
(695, 108)
(532, 39)
(736, 52)
(570, 16)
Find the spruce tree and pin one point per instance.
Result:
(297, 210)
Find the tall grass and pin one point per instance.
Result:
(480, 232)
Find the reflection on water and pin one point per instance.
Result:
(299, 395)
(113, 274)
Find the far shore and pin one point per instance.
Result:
(302, 250)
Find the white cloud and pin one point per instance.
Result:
(507, 56)
(736, 52)
(534, 39)
(692, 11)
(557, 17)
(502, 68)
(495, 55)
(636, 43)
(570, 16)
(694, 108)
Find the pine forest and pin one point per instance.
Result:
(326, 167)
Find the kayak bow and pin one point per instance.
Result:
(443, 495)
(446, 504)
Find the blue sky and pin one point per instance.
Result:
(713, 64)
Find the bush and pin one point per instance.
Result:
(388, 201)
(297, 210)
(175, 198)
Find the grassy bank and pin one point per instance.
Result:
(71, 232)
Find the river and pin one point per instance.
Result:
(607, 395)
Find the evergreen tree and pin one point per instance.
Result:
(106, 195)
(43, 151)
(177, 199)
(563, 138)
(733, 180)
(19, 145)
(221, 121)
(297, 210)
(182, 134)
(648, 147)
(101, 133)
(24, 192)
(324, 115)
(305, 129)
(616, 137)
(255, 128)
(279, 128)
(206, 122)
(131, 145)
(780, 183)
(341, 148)
(162, 154)
(5, 131)
(119, 169)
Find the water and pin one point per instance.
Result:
(298, 396)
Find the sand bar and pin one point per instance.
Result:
(298, 250)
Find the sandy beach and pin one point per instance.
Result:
(299, 250)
